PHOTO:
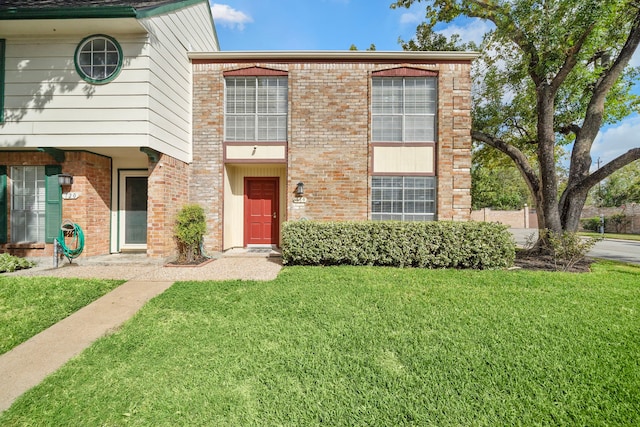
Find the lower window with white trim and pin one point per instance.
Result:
(27, 204)
(403, 198)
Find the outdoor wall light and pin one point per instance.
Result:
(65, 179)
(299, 190)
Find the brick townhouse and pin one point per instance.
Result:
(115, 114)
(280, 136)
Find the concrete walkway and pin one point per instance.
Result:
(26, 365)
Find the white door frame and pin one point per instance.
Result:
(123, 174)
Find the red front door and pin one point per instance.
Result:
(261, 211)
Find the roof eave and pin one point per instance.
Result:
(334, 55)
(68, 13)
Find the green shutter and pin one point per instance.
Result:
(3, 204)
(53, 203)
(2, 83)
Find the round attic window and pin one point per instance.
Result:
(98, 59)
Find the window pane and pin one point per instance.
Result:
(27, 203)
(403, 109)
(403, 198)
(387, 128)
(419, 128)
(256, 109)
(98, 59)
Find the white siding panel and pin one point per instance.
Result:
(73, 115)
(100, 127)
(409, 159)
(81, 90)
(73, 141)
(48, 104)
(172, 35)
(72, 102)
(92, 128)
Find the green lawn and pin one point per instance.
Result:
(616, 236)
(363, 347)
(30, 305)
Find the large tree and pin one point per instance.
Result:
(551, 74)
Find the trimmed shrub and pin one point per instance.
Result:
(191, 225)
(438, 244)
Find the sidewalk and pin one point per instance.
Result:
(26, 365)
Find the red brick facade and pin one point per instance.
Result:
(329, 135)
(90, 210)
(168, 193)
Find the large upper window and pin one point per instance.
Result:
(98, 59)
(256, 109)
(28, 204)
(403, 198)
(403, 109)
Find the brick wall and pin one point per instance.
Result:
(523, 218)
(91, 210)
(168, 192)
(329, 135)
(454, 142)
(207, 168)
(631, 212)
(328, 143)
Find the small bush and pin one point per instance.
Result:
(190, 228)
(619, 221)
(568, 248)
(10, 263)
(440, 244)
(591, 224)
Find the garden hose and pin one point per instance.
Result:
(76, 245)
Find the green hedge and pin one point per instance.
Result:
(439, 244)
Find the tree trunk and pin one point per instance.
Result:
(548, 199)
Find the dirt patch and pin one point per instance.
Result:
(531, 261)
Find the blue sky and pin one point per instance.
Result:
(312, 25)
(337, 24)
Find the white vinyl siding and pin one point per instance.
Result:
(148, 104)
(172, 35)
(256, 109)
(27, 204)
(403, 109)
(48, 104)
(403, 198)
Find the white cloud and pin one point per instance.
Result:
(473, 31)
(411, 18)
(617, 139)
(229, 17)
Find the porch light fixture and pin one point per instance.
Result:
(299, 190)
(65, 179)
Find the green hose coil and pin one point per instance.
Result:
(76, 245)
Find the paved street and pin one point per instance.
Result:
(617, 250)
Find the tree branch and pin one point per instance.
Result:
(570, 128)
(570, 61)
(515, 154)
(610, 76)
(606, 170)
